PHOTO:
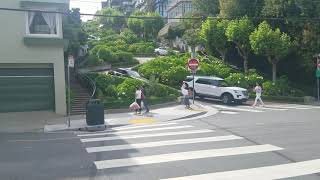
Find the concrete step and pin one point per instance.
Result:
(81, 98)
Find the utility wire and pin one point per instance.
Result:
(147, 17)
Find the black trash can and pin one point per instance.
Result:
(95, 113)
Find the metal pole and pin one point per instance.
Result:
(318, 83)
(69, 98)
(193, 85)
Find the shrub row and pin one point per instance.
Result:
(171, 70)
(121, 91)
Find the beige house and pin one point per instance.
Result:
(32, 70)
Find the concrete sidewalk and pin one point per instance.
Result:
(121, 119)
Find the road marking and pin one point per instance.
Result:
(236, 109)
(262, 173)
(270, 108)
(143, 126)
(43, 140)
(143, 121)
(136, 131)
(162, 158)
(228, 112)
(146, 135)
(294, 106)
(161, 143)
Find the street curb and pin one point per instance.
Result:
(63, 127)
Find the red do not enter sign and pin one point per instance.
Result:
(193, 64)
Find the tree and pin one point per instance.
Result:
(281, 8)
(213, 32)
(116, 23)
(192, 38)
(73, 31)
(238, 31)
(271, 43)
(238, 8)
(152, 25)
(136, 25)
(206, 7)
(150, 5)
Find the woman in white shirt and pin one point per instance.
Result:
(185, 93)
(138, 96)
(258, 90)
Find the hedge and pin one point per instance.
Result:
(118, 92)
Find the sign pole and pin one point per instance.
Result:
(69, 123)
(318, 76)
(193, 72)
(193, 65)
(70, 64)
(318, 82)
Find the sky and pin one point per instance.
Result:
(86, 6)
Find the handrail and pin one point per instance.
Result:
(88, 82)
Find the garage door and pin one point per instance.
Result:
(26, 89)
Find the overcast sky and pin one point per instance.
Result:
(86, 6)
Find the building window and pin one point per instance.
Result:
(41, 23)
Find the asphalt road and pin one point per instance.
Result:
(261, 143)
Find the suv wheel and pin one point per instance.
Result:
(226, 98)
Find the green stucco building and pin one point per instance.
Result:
(32, 72)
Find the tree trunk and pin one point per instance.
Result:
(193, 51)
(245, 64)
(222, 55)
(245, 58)
(274, 72)
(223, 58)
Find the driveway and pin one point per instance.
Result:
(144, 59)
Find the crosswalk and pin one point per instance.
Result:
(169, 145)
(232, 110)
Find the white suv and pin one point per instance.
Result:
(162, 51)
(214, 87)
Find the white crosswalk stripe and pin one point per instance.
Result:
(262, 173)
(228, 112)
(135, 131)
(163, 143)
(143, 126)
(236, 108)
(146, 135)
(106, 164)
(224, 109)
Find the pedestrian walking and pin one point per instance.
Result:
(138, 96)
(185, 93)
(258, 91)
(144, 100)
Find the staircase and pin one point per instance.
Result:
(81, 96)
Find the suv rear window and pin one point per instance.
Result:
(204, 81)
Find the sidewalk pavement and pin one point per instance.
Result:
(120, 119)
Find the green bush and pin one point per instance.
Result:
(174, 76)
(280, 88)
(127, 88)
(111, 91)
(142, 48)
(93, 61)
(106, 55)
(237, 79)
(123, 56)
(128, 36)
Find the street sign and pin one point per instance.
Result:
(193, 64)
(70, 61)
